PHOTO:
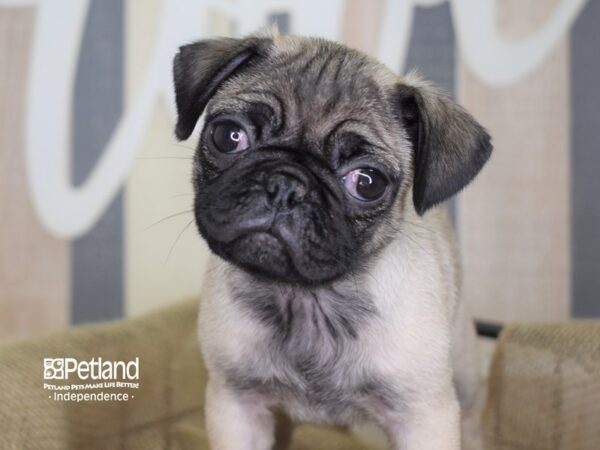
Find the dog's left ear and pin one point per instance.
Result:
(449, 146)
(198, 71)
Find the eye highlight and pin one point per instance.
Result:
(229, 137)
(365, 184)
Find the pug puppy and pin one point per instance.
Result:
(334, 296)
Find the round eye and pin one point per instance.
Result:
(365, 184)
(229, 137)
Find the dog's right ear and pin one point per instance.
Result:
(198, 71)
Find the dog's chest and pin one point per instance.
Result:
(310, 364)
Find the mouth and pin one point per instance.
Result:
(264, 253)
(266, 247)
(288, 247)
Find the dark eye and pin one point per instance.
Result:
(229, 137)
(365, 184)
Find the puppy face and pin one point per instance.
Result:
(309, 150)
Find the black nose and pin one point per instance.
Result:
(286, 190)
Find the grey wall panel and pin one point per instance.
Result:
(432, 48)
(97, 257)
(585, 162)
(282, 20)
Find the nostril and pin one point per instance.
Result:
(285, 192)
(290, 201)
(275, 185)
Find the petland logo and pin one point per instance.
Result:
(94, 369)
(96, 380)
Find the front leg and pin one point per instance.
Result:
(431, 422)
(237, 421)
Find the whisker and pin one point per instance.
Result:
(417, 225)
(177, 239)
(187, 194)
(182, 146)
(167, 218)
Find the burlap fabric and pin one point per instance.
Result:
(544, 388)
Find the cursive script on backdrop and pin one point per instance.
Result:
(69, 211)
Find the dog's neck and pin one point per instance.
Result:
(335, 309)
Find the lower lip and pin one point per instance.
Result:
(262, 237)
(260, 250)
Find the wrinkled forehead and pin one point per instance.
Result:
(315, 88)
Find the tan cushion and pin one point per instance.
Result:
(544, 388)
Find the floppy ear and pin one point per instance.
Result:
(198, 71)
(449, 146)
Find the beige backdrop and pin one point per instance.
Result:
(514, 222)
